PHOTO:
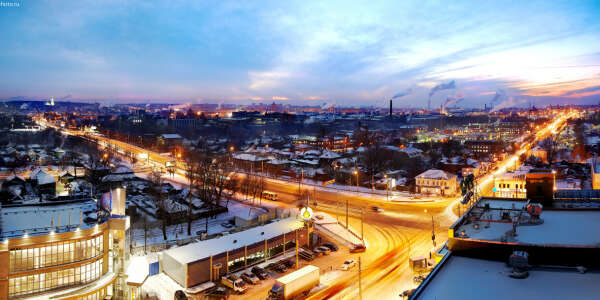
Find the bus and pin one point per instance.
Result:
(269, 196)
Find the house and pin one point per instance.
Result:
(437, 182)
(46, 184)
(169, 142)
(595, 173)
(539, 153)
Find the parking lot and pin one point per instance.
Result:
(328, 264)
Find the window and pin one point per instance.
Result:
(25, 285)
(53, 254)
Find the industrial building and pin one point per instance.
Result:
(203, 261)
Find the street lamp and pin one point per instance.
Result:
(432, 228)
(356, 173)
(387, 185)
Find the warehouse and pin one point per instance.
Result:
(203, 261)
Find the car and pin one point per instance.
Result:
(418, 278)
(250, 278)
(217, 293)
(317, 252)
(358, 248)
(280, 268)
(376, 209)
(289, 263)
(260, 273)
(324, 250)
(227, 225)
(333, 247)
(349, 264)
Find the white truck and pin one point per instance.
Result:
(235, 283)
(295, 284)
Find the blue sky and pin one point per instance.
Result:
(335, 52)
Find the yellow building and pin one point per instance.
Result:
(595, 173)
(510, 184)
(437, 182)
(50, 251)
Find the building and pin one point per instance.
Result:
(540, 185)
(510, 184)
(207, 260)
(483, 147)
(595, 173)
(169, 142)
(539, 153)
(513, 249)
(437, 182)
(62, 250)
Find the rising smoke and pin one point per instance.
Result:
(452, 100)
(440, 87)
(402, 94)
(510, 102)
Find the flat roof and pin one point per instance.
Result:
(204, 249)
(559, 227)
(15, 221)
(470, 278)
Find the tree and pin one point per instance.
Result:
(550, 145)
(156, 190)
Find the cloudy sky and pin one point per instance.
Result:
(335, 52)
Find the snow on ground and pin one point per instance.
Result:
(161, 286)
(179, 231)
(329, 225)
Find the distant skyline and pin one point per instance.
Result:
(345, 53)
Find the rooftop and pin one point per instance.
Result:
(491, 220)
(15, 221)
(470, 278)
(203, 249)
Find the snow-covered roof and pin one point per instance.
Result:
(44, 178)
(436, 174)
(248, 157)
(560, 227)
(121, 170)
(489, 280)
(204, 249)
(17, 220)
(170, 136)
(411, 151)
(329, 155)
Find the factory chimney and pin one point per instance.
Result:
(390, 108)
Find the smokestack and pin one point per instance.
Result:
(485, 107)
(390, 108)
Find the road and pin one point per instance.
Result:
(403, 230)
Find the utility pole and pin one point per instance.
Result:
(359, 278)
(346, 212)
(362, 228)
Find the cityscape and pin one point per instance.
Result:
(299, 150)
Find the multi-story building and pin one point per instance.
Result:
(437, 182)
(483, 146)
(62, 251)
(595, 166)
(510, 184)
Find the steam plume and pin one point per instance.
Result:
(440, 87)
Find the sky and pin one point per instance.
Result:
(346, 53)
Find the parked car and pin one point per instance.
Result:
(227, 225)
(349, 264)
(180, 295)
(358, 248)
(289, 263)
(317, 252)
(418, 278)
(324, 250)
(218, 293)
(250, 278)
(260, 273)
(280, 268)
(333, 247)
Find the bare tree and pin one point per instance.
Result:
(156, 190)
